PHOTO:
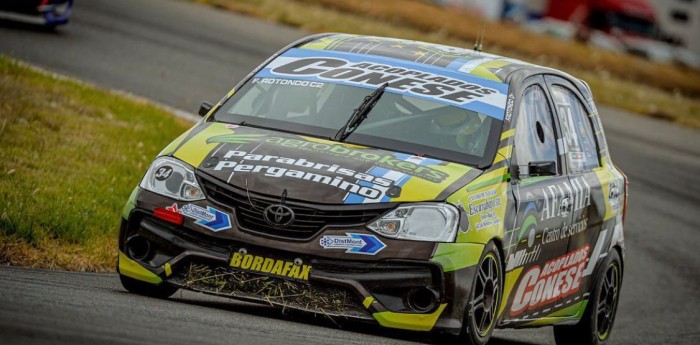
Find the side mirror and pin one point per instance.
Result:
(205, 108)
(548, 168)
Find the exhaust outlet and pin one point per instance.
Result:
(138, 248)
(422, 299)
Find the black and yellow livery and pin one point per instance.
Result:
(418, 186)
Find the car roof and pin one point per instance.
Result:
(461, 60)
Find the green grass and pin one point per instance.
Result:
(70, 154)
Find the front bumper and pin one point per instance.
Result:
(394, 292)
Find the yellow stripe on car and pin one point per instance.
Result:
(368, 301)
(573, 311)
(412, 322)
(173, 145)
(507, 134)
(418, 189)
(489, 178)
(503, 154)
(484, 70)
(130, 204)
(511, 278)
(455, 256)
(132, 269)
(196, 149)
(604, 177)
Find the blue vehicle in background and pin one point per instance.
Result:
(49, 13)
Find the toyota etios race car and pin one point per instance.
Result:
(414, 185)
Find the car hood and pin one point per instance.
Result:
(314, 170)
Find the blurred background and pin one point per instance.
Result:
(658, 30)
(639, 55)
(88, 90)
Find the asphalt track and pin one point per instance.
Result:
(180, 54)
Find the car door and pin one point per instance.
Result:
(542, 194)
(584, 235)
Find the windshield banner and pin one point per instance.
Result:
(432, 83)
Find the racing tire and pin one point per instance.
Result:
(484, 298)
(597, 321)
(163, 290)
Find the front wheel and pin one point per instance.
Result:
(597, 321)
(484, 298)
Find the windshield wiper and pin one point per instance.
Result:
(360, 114)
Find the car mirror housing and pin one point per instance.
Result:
(205, 108)
(547, 168)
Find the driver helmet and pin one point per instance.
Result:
(459, 125)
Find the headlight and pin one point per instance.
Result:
(419, 222)
(172, 178)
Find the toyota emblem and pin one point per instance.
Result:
(278, 215)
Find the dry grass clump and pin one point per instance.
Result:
(284, 293)
(96, 255)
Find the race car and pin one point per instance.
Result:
(49, 13)
(412, 185)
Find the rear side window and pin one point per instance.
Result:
(534, 133)
(579, 140)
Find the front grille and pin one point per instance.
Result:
(309, 218)
(312, 297)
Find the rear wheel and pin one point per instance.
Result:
(485, 297)
(597, 321)
(163, 290)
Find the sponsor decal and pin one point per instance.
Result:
(509, 106)
(598, 252)
(483, 204)
(353, 243)
(487, 220)
(523, 257)
(381, 160)
(615, 195)
(530, 254)
(482, 195)
(529, 226)
(558, 278)
(485, 208)
(330, 175)
(577, 139)
(553, 235)
(577, 192)
(163, 173)
(428, 53)
(209, 217)
(280, 268)
(577, 157)
(406, 78)
(290, 82)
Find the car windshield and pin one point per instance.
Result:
(399, 122)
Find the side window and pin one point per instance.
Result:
(534, 134)
(579, 140)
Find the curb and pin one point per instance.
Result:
(178, 113)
